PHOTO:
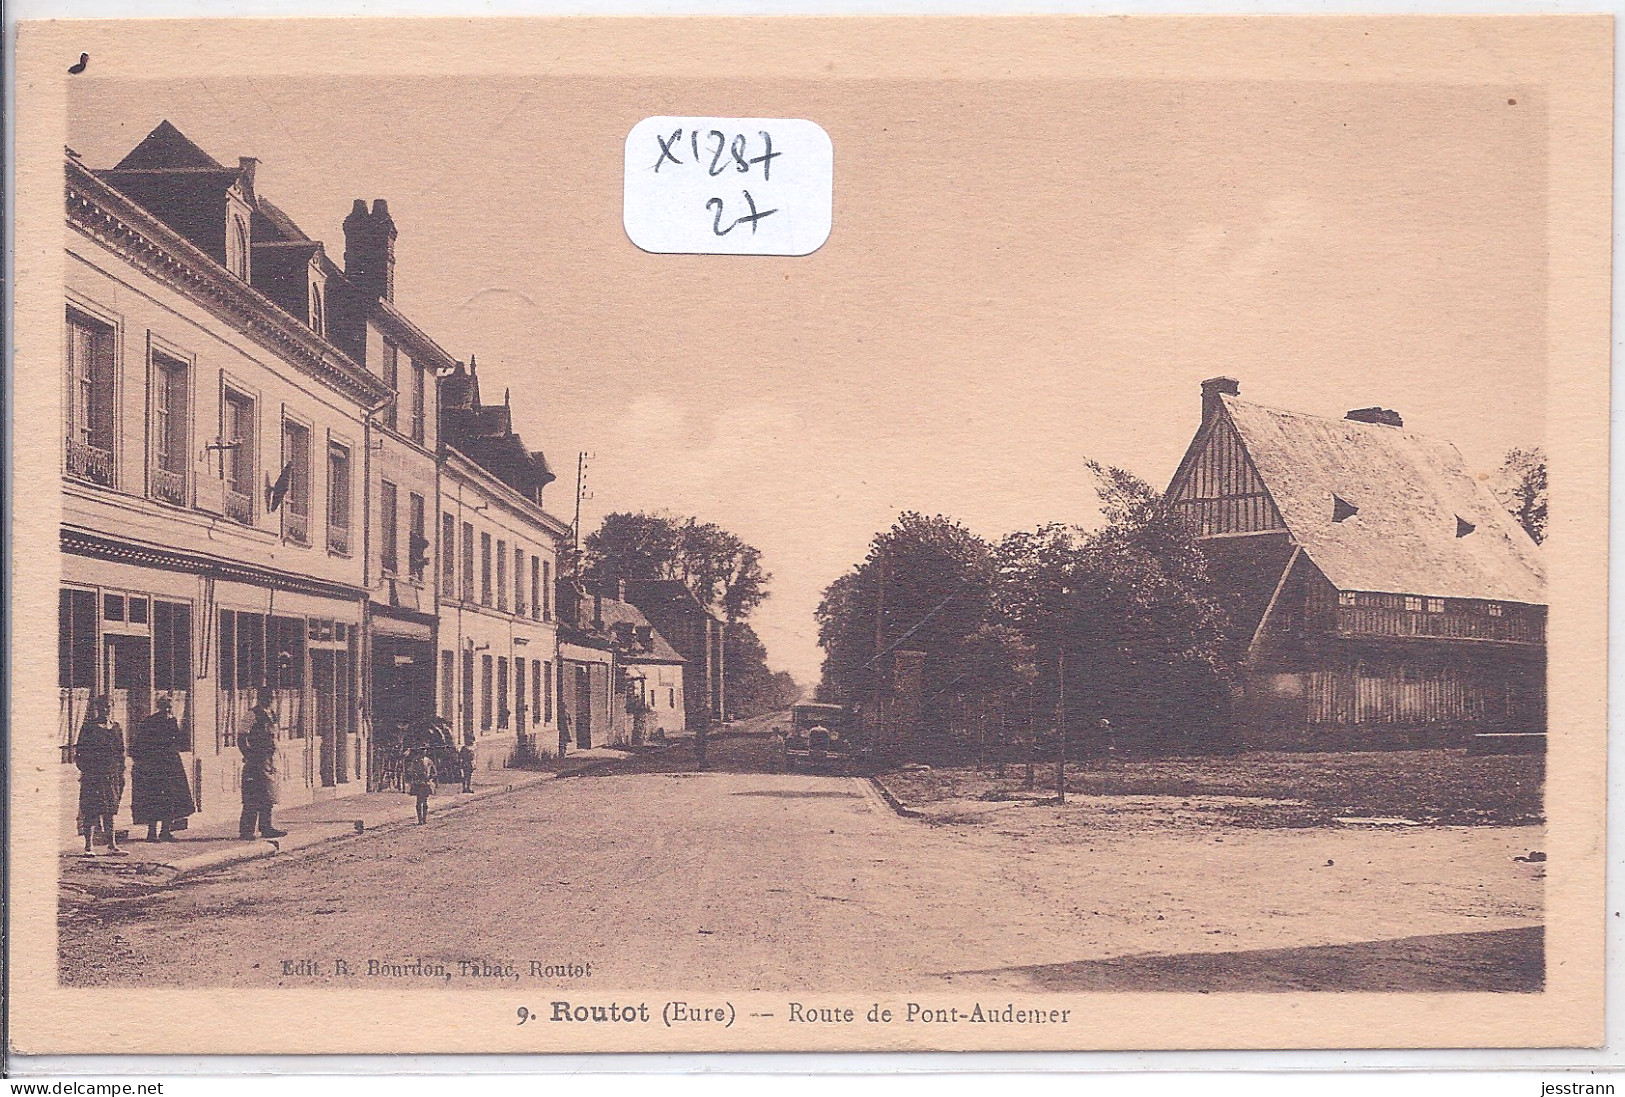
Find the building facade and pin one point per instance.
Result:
(499, 668)
(1385, 596)
(212, 435)
(696, 634)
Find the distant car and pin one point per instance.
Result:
(823, 739)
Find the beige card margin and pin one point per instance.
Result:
(1570, 57)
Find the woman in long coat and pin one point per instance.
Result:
(99, 754)
(160, 795)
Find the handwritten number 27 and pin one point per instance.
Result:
(753, 216)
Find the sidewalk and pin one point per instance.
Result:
(212, 845)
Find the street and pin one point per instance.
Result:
(788, 881)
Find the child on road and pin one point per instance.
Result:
(421, 773)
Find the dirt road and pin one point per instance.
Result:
(761, 881)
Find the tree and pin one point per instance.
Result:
(1520, 485)
(752, 687)
(722, 571)
(925, 584)
(1146, 644)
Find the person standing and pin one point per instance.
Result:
(465, 763)
(160, 795)
(258, 745)
(99, 754)
(564, 730)
(421, 774)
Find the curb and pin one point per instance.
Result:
(320, 834)
(892, 801)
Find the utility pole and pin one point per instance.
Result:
(1060, 721)
(880, 641)
(575, 527)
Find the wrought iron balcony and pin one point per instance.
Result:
(295, 526)
(169, 486)
(86, 462)
(239, 506)
(338, 539)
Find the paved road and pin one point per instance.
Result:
(786, 882)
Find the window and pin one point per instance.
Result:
(468, 694)
(547, 692)
(388, 526)
(547, 590)
(519, 694)
(237, 261)
(448, 683)
(485, 569)
(1346, 598)
(392, 378)
(417, 546)
(338, 498)
(76, 640)
(1435, 605)
(1413, 604)
(170, 416)
(1494, 609)
(318, 323)
(448, 555)
(519, 581)
(420, 403)
(296, 461)
(671, 698)
(536, 673)
(502, 692)
(502, 575)
(237, 459)
(485, 692)
(468, 562)
(89, 401)
(536, 591)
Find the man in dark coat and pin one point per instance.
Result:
(99, 754)
(160, 795)
(258, 745)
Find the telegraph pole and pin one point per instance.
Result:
(880, 640)
(1060, 721)
(575, 528)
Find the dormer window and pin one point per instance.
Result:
(1342, 509)
(317, 322)
(237, 257)
(1463, 527)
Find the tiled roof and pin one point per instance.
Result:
(1411, 496)
(616, 612)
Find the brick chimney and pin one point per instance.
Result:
(369, 250)
(1212, 389)
(1380, 416)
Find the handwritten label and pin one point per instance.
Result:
(729, 186)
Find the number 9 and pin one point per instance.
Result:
(524, 1014)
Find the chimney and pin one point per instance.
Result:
(369, 250)
(1212, 389)
(246, 166)
(620, 590)
(1380, 416)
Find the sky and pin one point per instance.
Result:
(1021, 276)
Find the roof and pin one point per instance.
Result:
(1411, 495)
(669, 591)
(616, 612)
(167, 148)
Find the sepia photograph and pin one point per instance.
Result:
(881, 555)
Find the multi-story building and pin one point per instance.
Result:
(400, 474)
(1385, 596)
(499, 669)
(697, 635)
(214, 437)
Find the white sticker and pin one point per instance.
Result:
(729, 186)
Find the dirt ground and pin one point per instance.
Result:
(804, 883)
(1434, 787)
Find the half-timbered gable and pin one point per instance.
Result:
(1383, 593)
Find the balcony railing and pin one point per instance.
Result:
(169, 486)
(239, 506)
(338, 539)
(295, 526)
(86, 462)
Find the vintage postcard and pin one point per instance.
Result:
(809, 534)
